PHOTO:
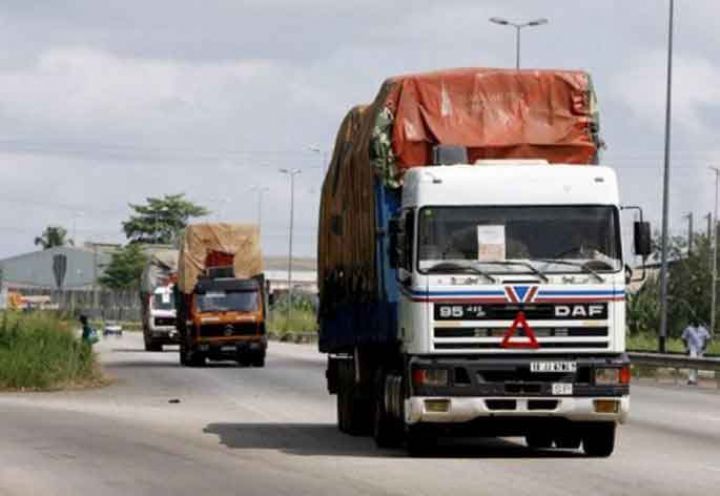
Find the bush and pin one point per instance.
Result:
(39, 351)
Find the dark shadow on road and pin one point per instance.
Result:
(173, 364)
(326, 440)
(142, 350)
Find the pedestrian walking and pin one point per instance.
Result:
(696, 338)
(89, 335)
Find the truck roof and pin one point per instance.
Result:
(510, 184)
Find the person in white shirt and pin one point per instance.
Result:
(696, 338)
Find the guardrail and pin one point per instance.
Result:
(294, 337)
(676, 362)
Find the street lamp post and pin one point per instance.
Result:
(260, 191)
(666, 190)
(323, 153)
(713, 285)
(292, 173)
(518, 26)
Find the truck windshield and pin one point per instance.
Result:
(545, 236)
(163, 301)
(226, 301)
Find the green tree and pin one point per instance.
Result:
(125, 268)
(53, 236)
(161, 219)
(689, 286)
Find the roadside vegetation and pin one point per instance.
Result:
(39, 351)
(303, 316)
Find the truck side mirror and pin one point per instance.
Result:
(642, 239)
(394, 231)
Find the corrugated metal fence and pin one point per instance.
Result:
(96, 303)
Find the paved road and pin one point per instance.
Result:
(271, 431)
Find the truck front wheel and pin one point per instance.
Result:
(387, 429)
(599, 439)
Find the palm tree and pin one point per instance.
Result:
(53, 236)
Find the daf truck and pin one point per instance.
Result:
(472, 280)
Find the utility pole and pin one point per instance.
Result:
(708, 218)
(666, 189)
(713, 285)
(518, 26)
(689, 217)
(292, 173)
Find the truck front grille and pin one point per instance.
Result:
(228, 330)
(165, 321)
(544, 345)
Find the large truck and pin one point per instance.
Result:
(157, 298)
(221, 295)
(471, 266)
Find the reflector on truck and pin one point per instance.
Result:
(520, 321)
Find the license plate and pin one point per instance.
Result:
(228, 348)
(557, 366)
(562, 389)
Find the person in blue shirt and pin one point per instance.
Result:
(696, 338)
(88, 334)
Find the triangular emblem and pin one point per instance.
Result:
(521, 292)
(530, 343)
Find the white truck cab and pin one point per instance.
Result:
(512, 302)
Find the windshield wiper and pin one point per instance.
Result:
(528, 265)
(454, 266)
(582, 265)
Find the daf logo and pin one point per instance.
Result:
(579, 310)
(228, 330)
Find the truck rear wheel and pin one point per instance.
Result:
(599, 439)
(354, 412)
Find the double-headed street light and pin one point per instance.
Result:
(518, 26)
(292, 173)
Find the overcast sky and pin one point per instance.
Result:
(105, 103)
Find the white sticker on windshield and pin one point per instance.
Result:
(165, 298)
(491, 243)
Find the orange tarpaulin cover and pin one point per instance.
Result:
(206, 243)
(495, 113)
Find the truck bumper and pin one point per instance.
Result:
(451, 410)
(165, 334)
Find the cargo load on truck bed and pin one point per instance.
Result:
(492, 113)
(159, 269)
(208, 245)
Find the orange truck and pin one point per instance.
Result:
(221, 310)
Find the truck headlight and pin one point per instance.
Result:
(430, 377)
(612, 375)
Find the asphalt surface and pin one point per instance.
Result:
(162, 429)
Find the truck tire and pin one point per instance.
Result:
(599, 439)
(151, 345)
(189, 357)
(354, 411)
(420, 440)
(258, 359)
(538, 440)
(387, 430)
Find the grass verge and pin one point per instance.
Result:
(40, 352)
(301, 320)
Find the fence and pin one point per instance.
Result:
(96, 303)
